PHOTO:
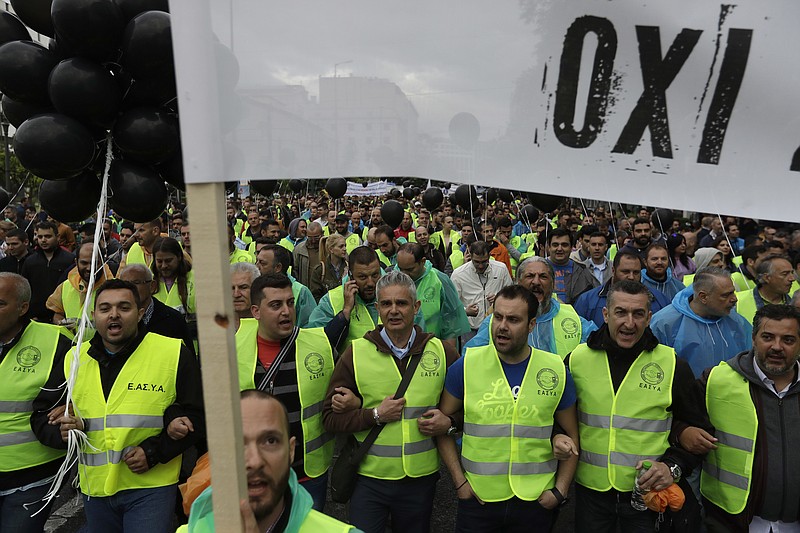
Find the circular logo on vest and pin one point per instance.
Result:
(430, 362)
(314, 363)
(29, 356)
(547, 379)
(570, 326)
(652, 374)
(429, 293)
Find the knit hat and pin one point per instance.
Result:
(704, 256)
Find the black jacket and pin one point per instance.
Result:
(11, 264)
(168, 322)
(188, 400)
(44, 276)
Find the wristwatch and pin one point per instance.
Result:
(376, 416)
(560, 498)
(453, 429)
(675, 471)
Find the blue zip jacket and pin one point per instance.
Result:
(590, 304)
(669, 287)
(702, 342)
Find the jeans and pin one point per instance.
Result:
(318, 489)
(132, 511)
(409, 501)
(15, 518)
(510, 516)
(601, 512)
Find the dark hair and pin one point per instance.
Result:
(752, 252)
(113, 284)
(634, 288)
(386, 231)
(559, 232)
(673, 241)
(171, 246)
(267, 281)
(87, 227)
(488, 222)
(128, 225)
(279, 255)
(46, 224)
(362, 255)
(595, 234)
(504, 222)
(415, 249)
(775, 312)
(157, 223)
(621, 254)
(588, 230)
(18, 233)
(518, 292)
(774, 244)
(479, 248)
(269, 222)
(641, 220)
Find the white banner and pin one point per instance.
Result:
(685, 104)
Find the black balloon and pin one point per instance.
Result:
(36, 14)
(83, 89)
(172, 171)
(148, 91)
(231, 186)
(147, 134)
(465, 130)
(407, 183)
(19, 112)
(505, 195)
(336, 187)
(24, 69)
(296, 185)
(136, 192)
(432, 198)
(365, 184)
(54, 146)
(467, 197)
(71, 200)
(147, 45)
(264, 187)
(545, 202)
(12, 29)
(395, 193)
(416, 190)
(491, 195)
(529, 214)
(131, 8)
(408, 193)
(662, 218)
(392, 213)
(446, 185)
(90, 28)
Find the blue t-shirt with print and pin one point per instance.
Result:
(454, 382)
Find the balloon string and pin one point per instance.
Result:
(77, 441)
(11, 200)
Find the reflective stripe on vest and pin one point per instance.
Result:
(142, 392)
(400, 449)
(429, 292)
(507, 450)
(360, 319)
(727, 470)
(618, 430)
(313, 364)
(23, 372)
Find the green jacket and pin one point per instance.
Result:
(302, 517)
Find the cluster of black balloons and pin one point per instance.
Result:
(109, 70)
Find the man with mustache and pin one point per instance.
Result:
(294, 364)
(752, 402)
(275, 501)
(559, 329)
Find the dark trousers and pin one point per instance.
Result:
(510, 516)
(408, 501)
(601, 512)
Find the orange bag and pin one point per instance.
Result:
(199, 481)
(659, 500)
